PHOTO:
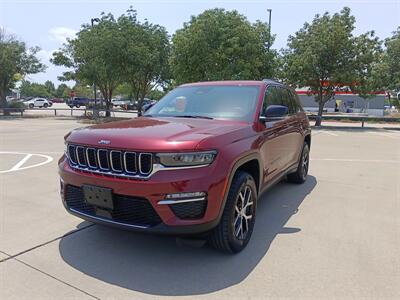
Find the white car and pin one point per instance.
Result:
(38, 102)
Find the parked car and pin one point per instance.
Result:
(135, 104)
(78, 102)
(57, 100)
(38, 102)
(195, 163)
(120, 102)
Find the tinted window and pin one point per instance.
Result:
(219, 102)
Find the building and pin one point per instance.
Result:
(345, 102)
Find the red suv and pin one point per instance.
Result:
(193, 164)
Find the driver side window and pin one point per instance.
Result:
(271, 97)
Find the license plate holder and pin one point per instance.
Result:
(98, 196)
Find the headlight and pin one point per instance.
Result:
(186, 159)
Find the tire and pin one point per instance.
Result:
(227, 236)
(45, 105)
(300, 176)
(31, 105)
(71, 106)
(78, 105)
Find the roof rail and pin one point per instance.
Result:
(271, 81)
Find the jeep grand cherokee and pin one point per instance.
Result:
(194, 163)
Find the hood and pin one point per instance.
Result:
(153, 134)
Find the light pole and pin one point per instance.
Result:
(269, 28)
(94, 84)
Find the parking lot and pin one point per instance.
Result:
(336, 236)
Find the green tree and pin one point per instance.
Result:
(62, 90)
(390, 66)
(320, 56)
(16, 61)
(51, 89)
(221, 45)
(366, 60)
(28, 89)
(95, 57)
(145, 55)
(83, 90)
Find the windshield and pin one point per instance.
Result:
(216, 102)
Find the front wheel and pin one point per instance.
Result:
(233, 232)
(301, 173)
(31, 105)
(45, 105)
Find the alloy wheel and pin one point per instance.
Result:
(243, 215)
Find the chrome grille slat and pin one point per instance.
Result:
(145, 163)
(102, 158)
(111, 162)
(80, 155)
(72, 154)
(91, 154)
(131, 167)
(116, 160)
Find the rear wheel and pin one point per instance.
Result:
(77, 105)
(302, 169)
(237, 222)
(31, 105)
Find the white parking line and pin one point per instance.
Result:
(325, 132)
(388, 161)
(21, 162)
(19, 165)
(383, 134)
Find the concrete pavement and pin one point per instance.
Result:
(336, 236)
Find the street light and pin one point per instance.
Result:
(269, 28)
(94, 84)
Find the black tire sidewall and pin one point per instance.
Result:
(236, 244)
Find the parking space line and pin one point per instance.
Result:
(27, 156)
(45, 243)
(388, 161)
(21, 162)
(55, 278)
(383, 134)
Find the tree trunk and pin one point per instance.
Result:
(3, 102)
(320, 111)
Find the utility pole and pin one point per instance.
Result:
(269, 28)
(94, 84)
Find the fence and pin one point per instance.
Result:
(71, 110)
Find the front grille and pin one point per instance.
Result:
(128, 210)
(189, 210)
(110, 162)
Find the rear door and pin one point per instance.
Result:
(273, 144)
(293, 132)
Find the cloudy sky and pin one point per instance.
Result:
(47, 23)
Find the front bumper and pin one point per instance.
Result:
(210, 179)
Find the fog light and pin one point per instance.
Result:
(185, 195)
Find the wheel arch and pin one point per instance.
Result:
(250, 163)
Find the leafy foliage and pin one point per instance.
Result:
(219, 44)
(145, 54)
(366, 60)
(95, 56)
(325, 56)
(16, 61)
(28, 89)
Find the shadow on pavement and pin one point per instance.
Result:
(156, 265)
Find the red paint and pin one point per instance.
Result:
(276, 149)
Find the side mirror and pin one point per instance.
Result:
(145, 108)
(275, 112)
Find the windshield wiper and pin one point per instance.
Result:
(193, 116)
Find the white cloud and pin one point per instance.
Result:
(62, 33)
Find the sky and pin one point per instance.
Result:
(47, 23)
